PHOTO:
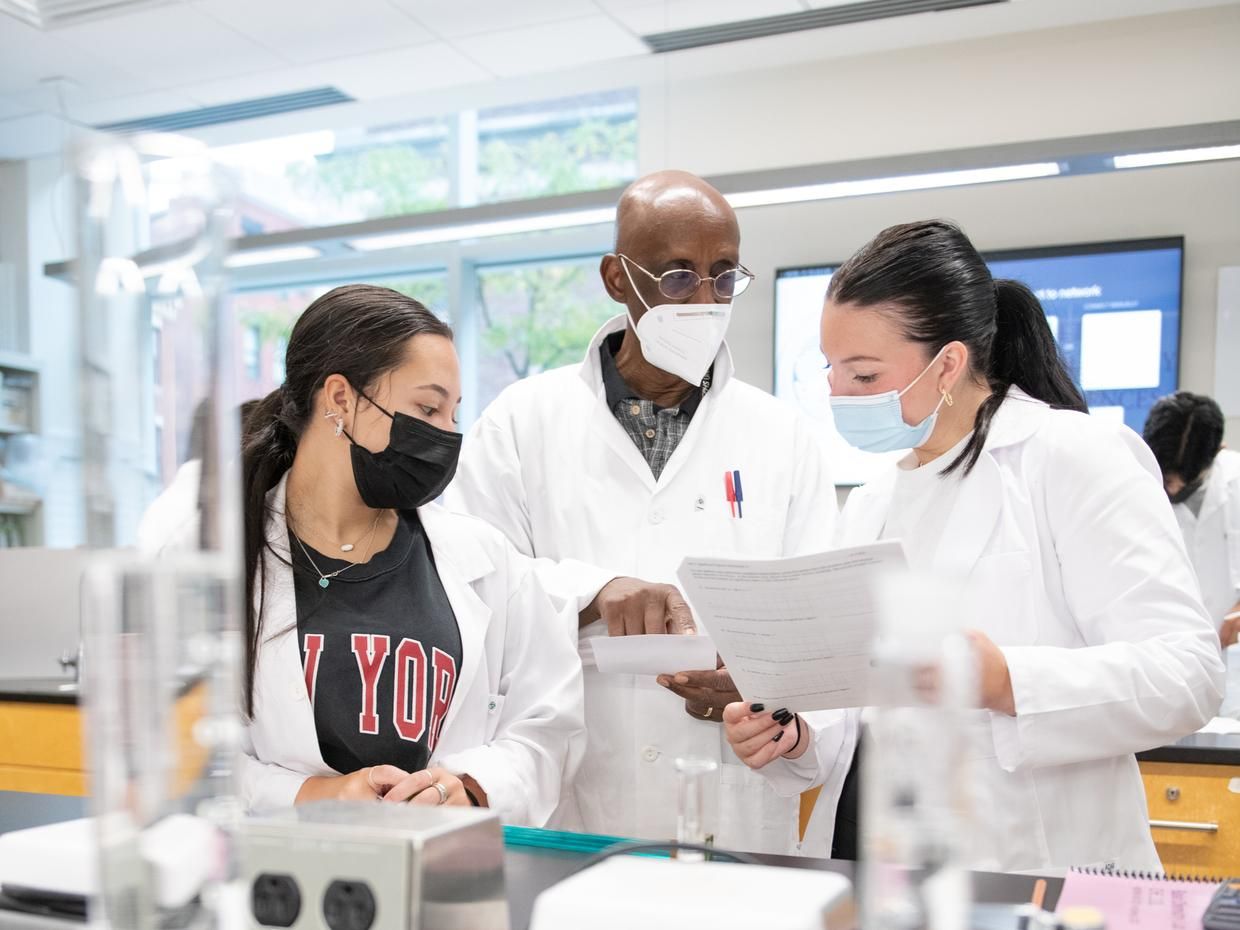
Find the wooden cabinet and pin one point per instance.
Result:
(1195, 816)
(41, 748)
(42, 751)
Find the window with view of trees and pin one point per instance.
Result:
(479, 156)
(536, 317)
(522, 318)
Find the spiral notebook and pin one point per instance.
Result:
(1140, 900)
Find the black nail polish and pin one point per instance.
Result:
(778, 736)
(782, 716)
(780, 712)
(757, 708)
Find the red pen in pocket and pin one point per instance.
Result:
(732, 489)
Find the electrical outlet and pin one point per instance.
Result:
(275, 900)
(348, 906)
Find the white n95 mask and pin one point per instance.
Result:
(681, 339)
(875, 422)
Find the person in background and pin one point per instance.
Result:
(394, 650)
(172, 521)
(1202, 479)
(1091, 640)
(616, 469)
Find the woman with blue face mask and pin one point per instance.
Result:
(1092, 642)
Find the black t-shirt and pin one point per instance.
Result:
(381, 651)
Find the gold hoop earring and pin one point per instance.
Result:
(947, 399)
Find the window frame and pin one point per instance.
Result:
(459, 262)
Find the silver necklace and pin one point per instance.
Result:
(325, 580)
(349, 547)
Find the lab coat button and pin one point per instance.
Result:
(650, 754)
(656, 516)
(491, 706)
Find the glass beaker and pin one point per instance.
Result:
(694, 824)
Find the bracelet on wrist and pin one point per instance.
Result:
(797, 743)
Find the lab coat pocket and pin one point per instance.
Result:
(999, 599)
(495, 709)
(1015, 837)
(755, 535)
(752, 816)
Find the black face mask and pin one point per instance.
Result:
(1186, 492)
(418, 463)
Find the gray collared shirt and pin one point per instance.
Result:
(656, 431)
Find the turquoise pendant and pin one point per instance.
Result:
(324, 582)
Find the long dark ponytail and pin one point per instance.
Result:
(941, 292)
(359, 331)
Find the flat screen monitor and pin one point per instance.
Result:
(1113, 307)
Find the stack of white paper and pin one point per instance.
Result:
(797, 632)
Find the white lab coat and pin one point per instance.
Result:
(1213, 536)
(551, 467)
(515, 722)
(1064, 530)
(170, 522)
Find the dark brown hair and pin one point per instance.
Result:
(359, 331)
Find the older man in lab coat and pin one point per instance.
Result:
(616, 469)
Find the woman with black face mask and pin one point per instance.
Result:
(395, 651)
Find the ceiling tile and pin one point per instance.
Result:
(405, 71)
(138, 106)
(16, 105)
(655, 17)
(286, 80)
(28, 56)
(452, 18)
(551, 47)
(366, 77)
(332, 30)
(619, 6)
(171, 45)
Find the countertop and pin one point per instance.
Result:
(528, 872)
(39, 690)
(1198, 749)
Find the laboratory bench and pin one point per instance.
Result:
(1192, 788)
(528, 871)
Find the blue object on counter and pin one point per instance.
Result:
(585, 843)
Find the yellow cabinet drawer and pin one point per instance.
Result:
(1195, 816)
(41, 745)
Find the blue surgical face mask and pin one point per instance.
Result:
(875, 422)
